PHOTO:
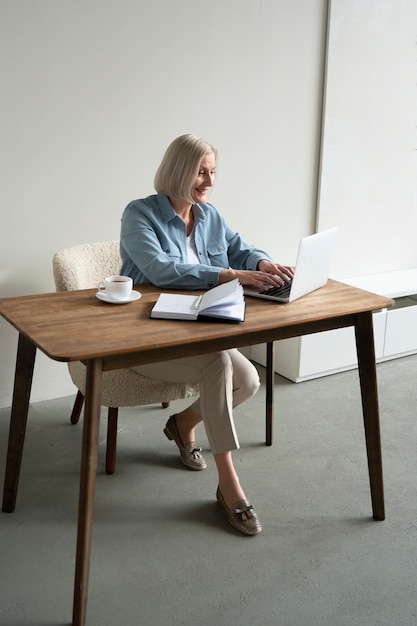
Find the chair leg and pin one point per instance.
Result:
(77, 408)
(111, 440)
(111, 429)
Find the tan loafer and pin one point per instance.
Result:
(241, 516)
(190, 453)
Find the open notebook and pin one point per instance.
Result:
(224, 302)
(311, 269)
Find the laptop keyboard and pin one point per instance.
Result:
(284, 290)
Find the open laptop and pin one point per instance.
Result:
(311, 269)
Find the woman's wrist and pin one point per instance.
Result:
(259, 268)
(226, 275)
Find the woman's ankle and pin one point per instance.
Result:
(231, 493)
(185, 427)
(229, 483)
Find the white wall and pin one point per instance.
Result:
(369, 157)
(93, 92)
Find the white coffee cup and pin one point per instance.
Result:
(116, 287)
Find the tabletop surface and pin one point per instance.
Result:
(75, 325)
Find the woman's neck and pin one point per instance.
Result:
(180, 206)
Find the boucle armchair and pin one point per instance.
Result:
(82, 267)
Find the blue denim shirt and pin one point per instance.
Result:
(153, 245)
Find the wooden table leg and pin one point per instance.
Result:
(368, 382)
(269, 392)
(25, 361)
(87, 488)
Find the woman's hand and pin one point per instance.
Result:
(269, 274)
(285, 272)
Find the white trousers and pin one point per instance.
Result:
(226, 379)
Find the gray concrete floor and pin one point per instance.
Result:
(163, 553)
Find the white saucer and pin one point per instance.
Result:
(102, 295)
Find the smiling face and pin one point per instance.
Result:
(205, 178)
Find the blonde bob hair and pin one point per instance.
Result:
(179, 167)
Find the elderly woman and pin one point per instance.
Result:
(176, 239)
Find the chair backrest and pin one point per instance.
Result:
(85, 265)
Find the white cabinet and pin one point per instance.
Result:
(401, 328)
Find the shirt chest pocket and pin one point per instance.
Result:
(217, 253)
(171, 250)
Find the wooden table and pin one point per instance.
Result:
(73, 326)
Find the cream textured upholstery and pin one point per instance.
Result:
(127, 388)
(82, 267)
